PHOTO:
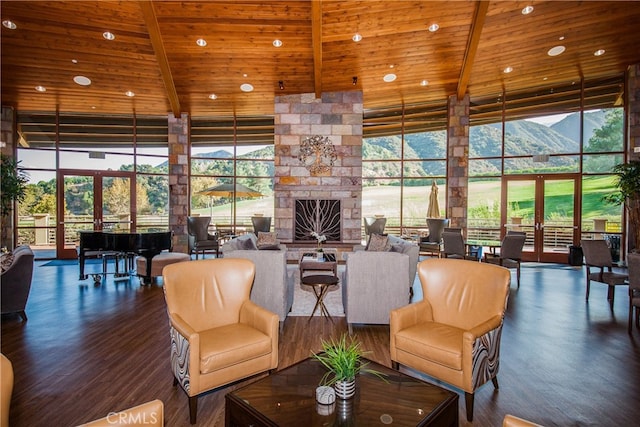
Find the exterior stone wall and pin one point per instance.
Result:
(458, 161)
(179, 180)
(337, 115)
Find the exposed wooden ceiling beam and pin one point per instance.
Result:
(472, 46)
(316, 35)
(158, 47)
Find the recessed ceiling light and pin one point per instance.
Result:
(356, 37)
(41, 88)
(527, 10)
(74, 61)
(201, 42)
(389, 77)
(82, 80)
(556, 50)
(213, 96)
(599, 52)
(130, 94)
(9, 24)
(108, 35)
(545, 78)
(561, 38)
(245, 75)
(246, 87)
(434, 27)
(424, 83)
(507, 70)
(277, 43)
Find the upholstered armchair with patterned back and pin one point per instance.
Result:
(510, 254)
(15, 280)
(599, 264)
(218, 335)
(199, 238)
(453, 333)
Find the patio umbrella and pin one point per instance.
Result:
(433, 211)
(229, 190)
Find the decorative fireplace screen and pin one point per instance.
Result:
(321, 216)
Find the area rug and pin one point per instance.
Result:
(304, 299)
(60, 262)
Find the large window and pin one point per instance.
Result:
(84, 145)
(232, 169)
(575, 129)
(403, 154)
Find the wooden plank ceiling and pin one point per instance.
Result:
(155, 55)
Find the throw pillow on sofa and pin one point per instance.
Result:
(379, 243)
(247, 244)
(267, 240)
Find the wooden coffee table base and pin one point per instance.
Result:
(287, 398)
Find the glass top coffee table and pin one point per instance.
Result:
(287, 398)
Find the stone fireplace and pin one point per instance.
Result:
(320, 216)
(338, 116)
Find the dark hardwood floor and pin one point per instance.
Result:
(86, 351)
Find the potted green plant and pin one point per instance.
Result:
(343, 359)
(13, 184)
(628, 183)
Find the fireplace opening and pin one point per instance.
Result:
(321, 216)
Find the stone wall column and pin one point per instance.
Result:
(179, 180)
(337, 115)
(458, 161)
(633, 109)
(7, 140)
(633, 132)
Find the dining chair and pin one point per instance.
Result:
(597, 259)
(454, 246)
(510, 254)
(633, 262)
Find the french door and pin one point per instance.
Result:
(547, 208)
(95, 201)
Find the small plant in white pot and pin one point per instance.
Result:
(343, 359)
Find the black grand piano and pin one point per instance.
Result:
(94, 244)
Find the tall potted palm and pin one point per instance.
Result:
(628, 183)
(13, 185)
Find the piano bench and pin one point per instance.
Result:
(158, 262)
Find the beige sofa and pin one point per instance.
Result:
(377, 282)
(272, 287)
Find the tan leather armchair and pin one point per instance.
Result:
(453, 334)
(512, 421)
(150, 414)
(6, 389)
(218, 335)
